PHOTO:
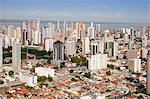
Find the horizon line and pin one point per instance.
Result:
(54, 20)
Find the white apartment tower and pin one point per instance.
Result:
(86, 45)
(70, 46)
(16, 56)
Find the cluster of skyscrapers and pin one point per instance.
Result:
(69, 38)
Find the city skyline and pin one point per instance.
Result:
(136, 11)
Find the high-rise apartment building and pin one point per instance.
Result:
(148, 75)
(1, 51)
(70, 46)
(94, 48)
(91, 32)
(58, 51)
(16, 56)
(86, 45)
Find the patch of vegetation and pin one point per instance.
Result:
(50, 79)
(88, 75)
(110, 66)
(29, 87)
(108, 72)
(11, 73)
(81, 60)
(32, 69)
(41, 79)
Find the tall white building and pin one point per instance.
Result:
(11, 31)
(36, 37)
(38, 24)
(6, 41)
(48, 44)
(144, 41)
(17, 32)
(24, 25)
(44, 33)
(98, 28)
(101, 46)
(105, 35)
(50, 29)
(70, 46)
(98, 61)
(1, 51)
(91, 32)
(86, 45)
(58, 27)
(16, 56)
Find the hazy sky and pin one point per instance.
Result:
(84, 10)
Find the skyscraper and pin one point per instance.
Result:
(86, 45)
(11, 31)
(91, 32)
(16, 56)
(24, 37)
(18, 32)
(94, 47)
(58, 25)
(143, 31)
(98, 28)
(112, 48)
(44, 33)
(58, 52)
(48, 44)
(97, 61)
(1, 51)
(148, 32)
(132, 34)
(148, 75)
(70, 46)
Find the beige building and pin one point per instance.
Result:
(135, 65)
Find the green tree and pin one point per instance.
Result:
(140, 90)
(49, 61)
(88, 75)
(29, 88)
(23, 56)
(62, 65)
(11, 73)
(41, 79)
(38, 64)
(73, 79)
(23, 49)
(50, 79)
(49, 53)
(75, 60)
(110, 66)
(1, 82)
(83, 61)
(140, 97)
(108, 72)
(78, 77)
(32, 69)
